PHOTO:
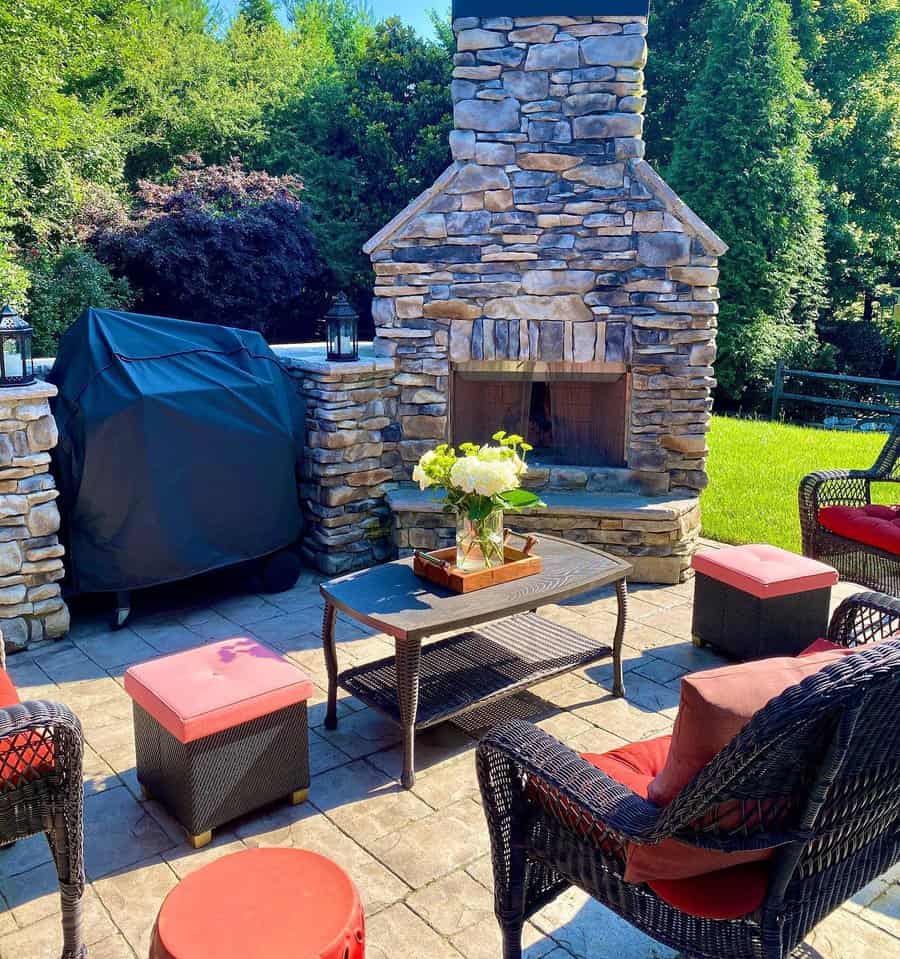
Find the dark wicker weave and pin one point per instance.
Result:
(50, 802)
(816, 772)
(212, 780)
(857, 562)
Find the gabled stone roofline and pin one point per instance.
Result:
(642, 170)
(411, 209)
(714, 244)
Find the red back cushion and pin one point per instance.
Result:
(8, 694)
(716, 705)
(24, 756)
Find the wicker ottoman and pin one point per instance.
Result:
(262, 904)
(220, 731)
(755, 601)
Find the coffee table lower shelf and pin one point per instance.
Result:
(473, 668)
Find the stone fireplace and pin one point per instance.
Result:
(549, 282)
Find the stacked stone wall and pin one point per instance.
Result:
(351, 452)
(31, 557)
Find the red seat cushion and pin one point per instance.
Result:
(25, 756)
(764, 571)
(730, 889)
(216, 687)
(877, 526)
(262, 902)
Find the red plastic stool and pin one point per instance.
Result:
(264, 904)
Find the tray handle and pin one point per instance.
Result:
(529, 541)
(433, 560)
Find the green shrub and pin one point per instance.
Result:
(63, 285)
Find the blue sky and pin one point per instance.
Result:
(414, 12)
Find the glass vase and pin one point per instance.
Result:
(479, 543)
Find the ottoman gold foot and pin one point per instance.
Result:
(697, 641)
(204, 839)
(299, 795)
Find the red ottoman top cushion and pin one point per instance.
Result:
(730, 888)
(262, 902)
(764, 571)
(877, 526)
(206, 690)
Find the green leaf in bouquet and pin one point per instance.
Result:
(521, 499)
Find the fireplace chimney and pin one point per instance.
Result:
(545, 91)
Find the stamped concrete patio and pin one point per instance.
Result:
(420, 858)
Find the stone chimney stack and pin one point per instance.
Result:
(562, 88)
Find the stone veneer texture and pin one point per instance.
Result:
(550, 239)
(31, 565)
(350, 453)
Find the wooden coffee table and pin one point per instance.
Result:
(511, 649)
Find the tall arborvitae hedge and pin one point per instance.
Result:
(741, 160)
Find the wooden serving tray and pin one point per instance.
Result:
(438, 567)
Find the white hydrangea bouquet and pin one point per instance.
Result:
(479, 483)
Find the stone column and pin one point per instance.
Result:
(351, 452)
(31, 565)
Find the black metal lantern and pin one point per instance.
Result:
(341, 324)
(16, 361)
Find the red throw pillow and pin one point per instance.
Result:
(715, 706)
(827, 646)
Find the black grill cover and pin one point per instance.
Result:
(178, 449)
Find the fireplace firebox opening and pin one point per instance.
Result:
(570, 419)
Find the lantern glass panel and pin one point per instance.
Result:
(13, 363)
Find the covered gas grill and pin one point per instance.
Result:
(179, 445)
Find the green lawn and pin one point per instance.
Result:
(754, 470)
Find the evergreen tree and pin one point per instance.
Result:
(259, 12)
(855, 65)
(741, 159)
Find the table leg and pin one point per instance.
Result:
(622, 600)
(330, 664)
(407, 657)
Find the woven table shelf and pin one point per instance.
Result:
(472, 668)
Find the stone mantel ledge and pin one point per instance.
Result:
(311, 358)
(410, 499)
(39, 390)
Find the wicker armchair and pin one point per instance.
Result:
(815, 773)
(857, 562)
(41, 748)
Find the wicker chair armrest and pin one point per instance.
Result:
(39, 714)
(865, 618)
(589, 795)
